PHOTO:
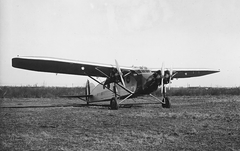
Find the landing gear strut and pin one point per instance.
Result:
(165, 101)
(113, 103)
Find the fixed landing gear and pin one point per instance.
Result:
(114, 104)
(166, 103)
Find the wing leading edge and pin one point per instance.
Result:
(54, 65)
(188, 73)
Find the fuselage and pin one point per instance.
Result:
(140, 82)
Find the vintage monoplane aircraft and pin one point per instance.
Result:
(121, 82)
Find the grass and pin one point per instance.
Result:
(52, 92)
(193, 123)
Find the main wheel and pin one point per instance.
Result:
(166, 103)
(114, 104)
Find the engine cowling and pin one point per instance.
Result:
(167, 77)
(153, 81)
(156, 79)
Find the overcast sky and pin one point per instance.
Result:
(180, 33)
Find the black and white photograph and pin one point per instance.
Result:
(120, 75)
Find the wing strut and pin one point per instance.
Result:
(113, 79)
(102, 72)
(100, 83)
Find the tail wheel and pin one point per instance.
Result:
(113, 104)
(166, 103)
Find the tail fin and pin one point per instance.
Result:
(87, 90)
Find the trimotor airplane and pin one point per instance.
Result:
(121, 82)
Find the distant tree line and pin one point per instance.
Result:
(51, 92)
(38, 92)
(200, 91)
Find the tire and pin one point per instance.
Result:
(167, 103)
(114, 104)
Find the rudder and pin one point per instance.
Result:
(87, 90)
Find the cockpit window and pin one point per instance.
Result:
(138, 71)
(142, 69)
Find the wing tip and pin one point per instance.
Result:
(215, 71)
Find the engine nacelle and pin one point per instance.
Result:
(167, 77)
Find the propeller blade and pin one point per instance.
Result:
(162, 70)
(120, 73)
(171, 71)
(162, 85)
(162, 77)
(171, 74)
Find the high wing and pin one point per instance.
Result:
(64, 66)
(188, 73)
(55, 65)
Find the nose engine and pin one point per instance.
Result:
(157, 79)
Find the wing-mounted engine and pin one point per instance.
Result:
(115, 76)
(167, 77)
(160, 77)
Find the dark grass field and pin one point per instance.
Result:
(193, 123)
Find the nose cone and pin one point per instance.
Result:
(152, 83)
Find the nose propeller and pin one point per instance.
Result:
(120, 73)
(170, 78)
